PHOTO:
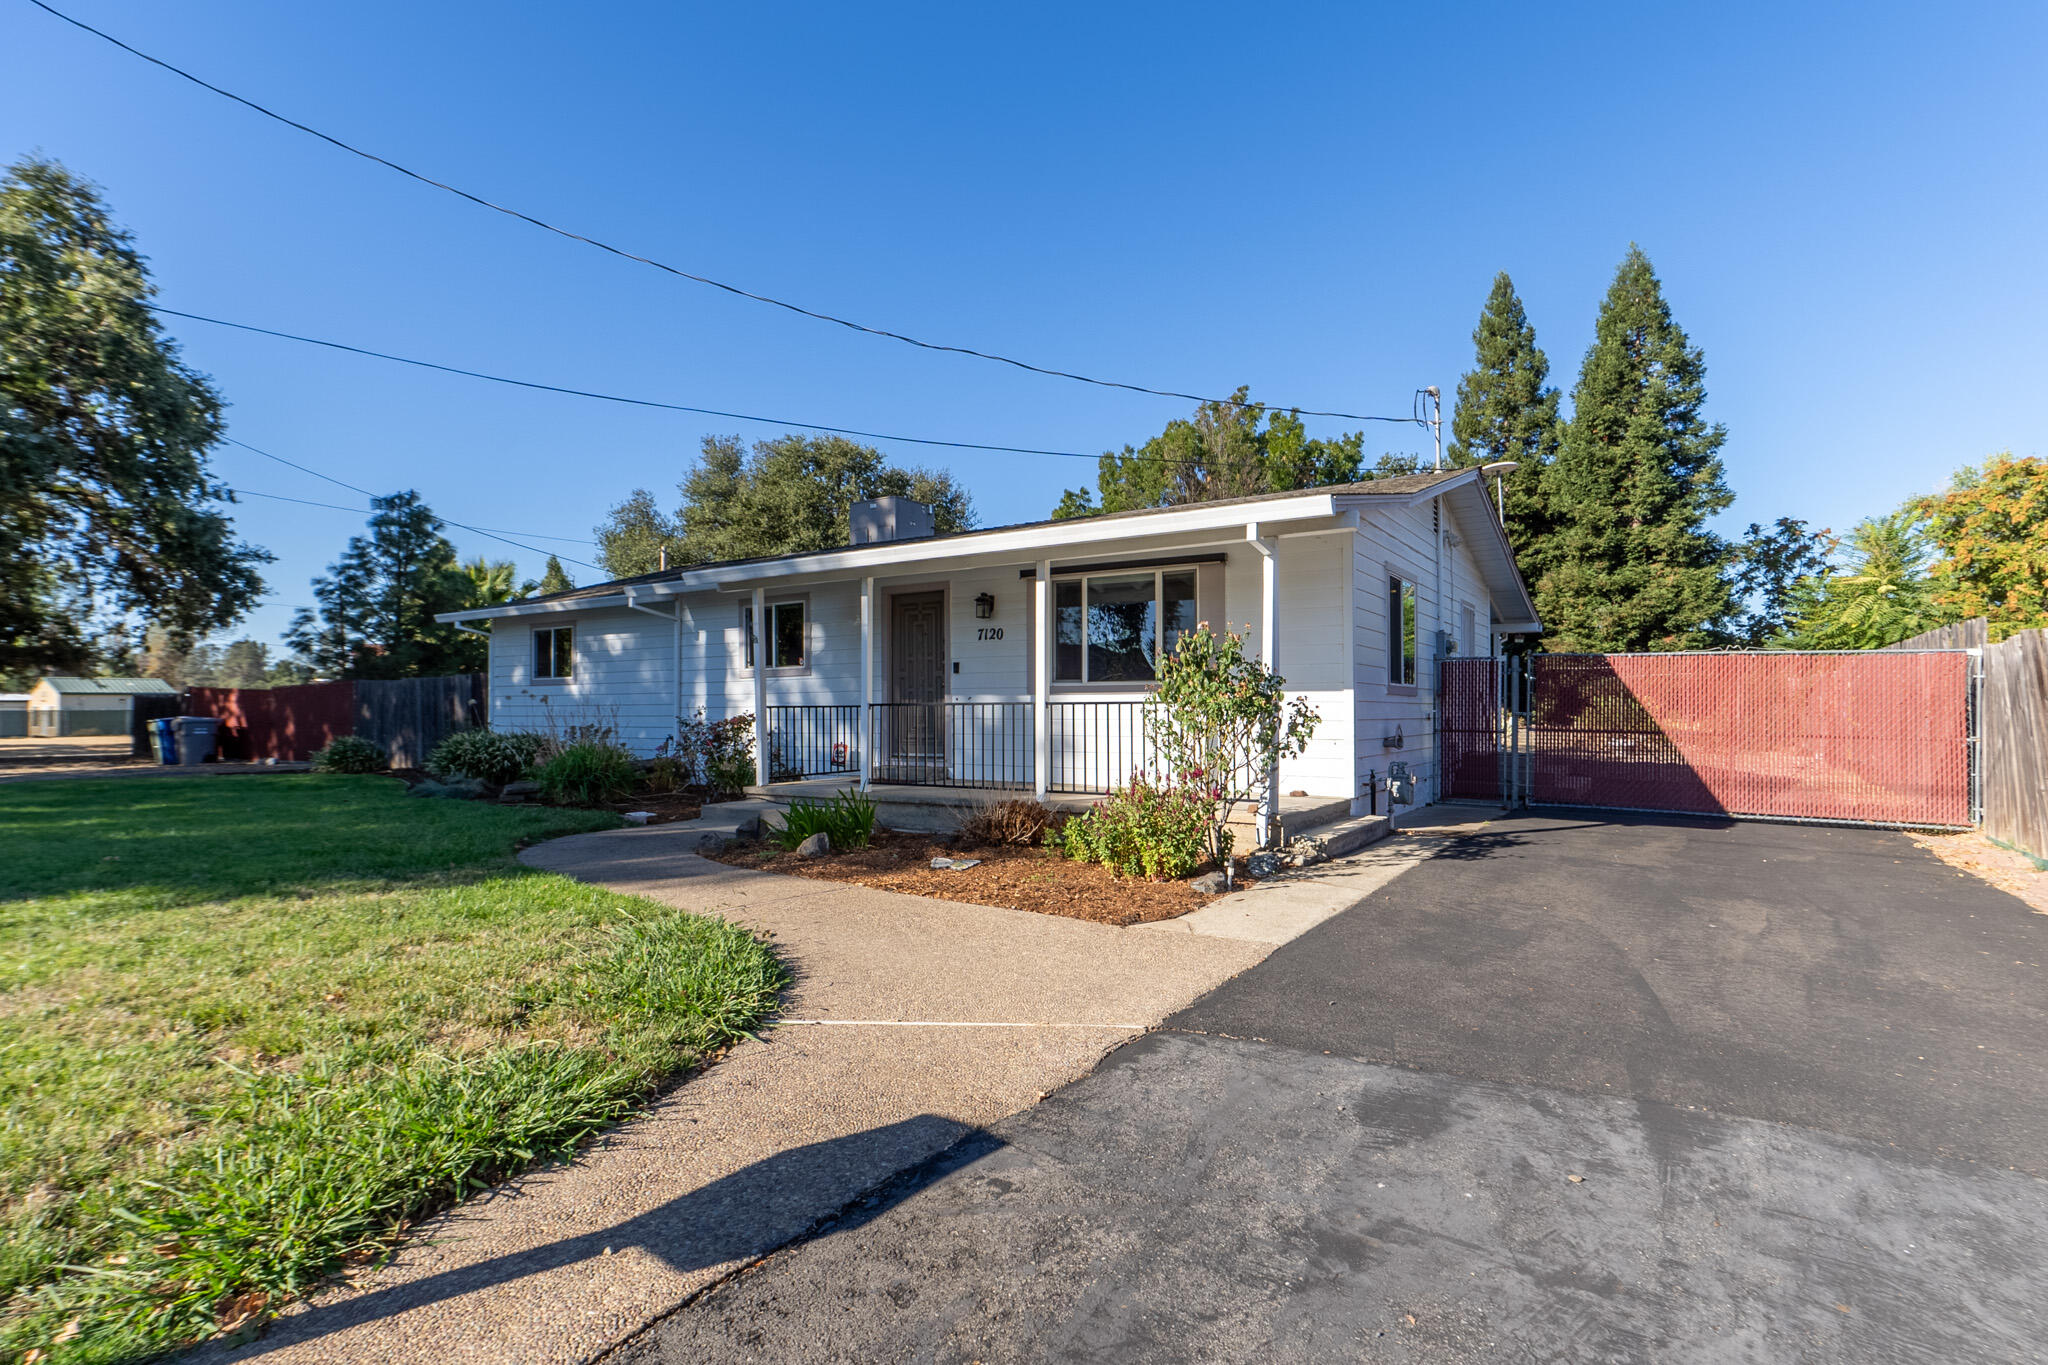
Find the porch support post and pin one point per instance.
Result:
(1269, 642)
(1041, 680)
(867, 678)
(758, 645)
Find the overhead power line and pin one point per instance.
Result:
(607, 397)
(308, 469)
(446, 521)
(678, 271)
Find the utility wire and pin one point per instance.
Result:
(660, 265)
(308, 469)
(446, 521)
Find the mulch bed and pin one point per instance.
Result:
(1010, 878)
(665, 806)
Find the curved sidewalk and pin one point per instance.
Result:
(940, 1018)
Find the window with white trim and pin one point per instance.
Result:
(786, 636)
(1115, 627)
(554, 653)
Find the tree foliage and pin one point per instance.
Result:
(1631, 565)
(1770, 564)
(1879, 594)
(377, 603)
(555, 578)
(1232, 449)
(787, 495)
(108, 510)
(1506, 410)
(1991, 526)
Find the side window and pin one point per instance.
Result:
(554, 653)
(1400, 632)
(786, 635)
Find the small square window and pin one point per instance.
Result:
(786, 635)
(554, 653)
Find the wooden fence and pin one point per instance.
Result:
(2012, 728)
(405, 717)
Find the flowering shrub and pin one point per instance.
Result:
(1221, 723)
(1143, 830)
(721, 751)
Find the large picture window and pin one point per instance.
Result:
(1115, 627)
(785, 634)
(554, 653)
(1400, 632)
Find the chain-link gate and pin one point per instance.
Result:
(1879, 737)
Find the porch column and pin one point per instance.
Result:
(1041, 680)
(1269, 642)
(867, 679)
(759, 645)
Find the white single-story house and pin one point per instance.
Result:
(88, 706)
(1021, 657)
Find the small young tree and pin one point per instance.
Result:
(1221, 724)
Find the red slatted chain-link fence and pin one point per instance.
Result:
(1867, 738)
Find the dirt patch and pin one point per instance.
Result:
(1009, 878)
(664, 806)
(2002, 867)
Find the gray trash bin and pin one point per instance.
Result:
(195, 738)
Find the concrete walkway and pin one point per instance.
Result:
(936, 1019)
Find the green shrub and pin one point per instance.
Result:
(349, 755)
(587, 774)
(848, 820)
(665, 773)
(1144, 830)
(493, 756)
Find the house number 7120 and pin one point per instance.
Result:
(988, 633)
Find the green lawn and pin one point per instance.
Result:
(250, 1026)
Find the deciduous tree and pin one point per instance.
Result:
(785, 496)
(1878, 596)
(1232, 449)
(108, 509)
(1991, 526)
(1769, 566)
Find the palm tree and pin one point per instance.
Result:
(1879, 596)
(492, 582)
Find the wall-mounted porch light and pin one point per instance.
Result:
(984, 606)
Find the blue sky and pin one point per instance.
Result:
(1846, 204)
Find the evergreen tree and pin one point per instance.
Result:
(1631, 564)
(377, 604)
(554, 578)
(1505, 411)
(1222, 452)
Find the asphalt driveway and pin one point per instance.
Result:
(1578, 1087)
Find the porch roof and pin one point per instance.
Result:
(1167, 528)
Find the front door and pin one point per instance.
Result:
(917, 682)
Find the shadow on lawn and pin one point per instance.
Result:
(738, 1217)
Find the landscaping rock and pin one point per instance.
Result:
(954, 864)
(1305, 850)
(1262, 864)
(637, 817)
(817, 846)
(520, 789)
(1210, 884)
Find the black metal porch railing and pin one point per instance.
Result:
(952, 744)
(1097, 745)
(813, 741)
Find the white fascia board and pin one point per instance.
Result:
(1024, 543)
(533, 608)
